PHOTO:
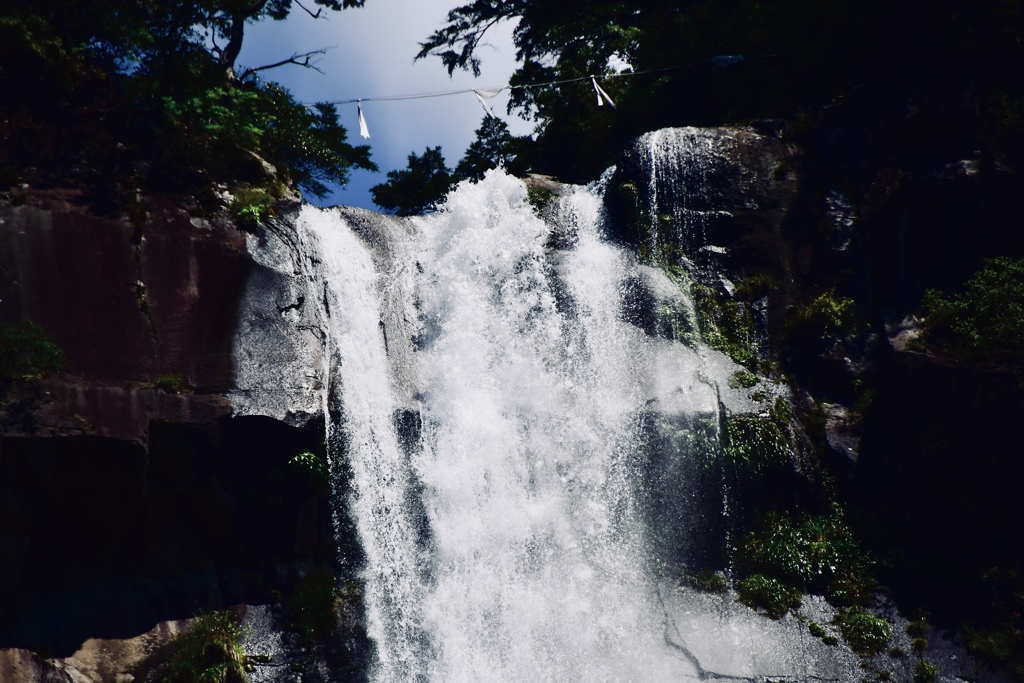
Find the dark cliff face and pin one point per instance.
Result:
(905, 191)
(133, 302)
(134, 492)
(842, 221)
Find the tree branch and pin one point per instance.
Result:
(216, 49)
(306, 10)
(305, 60)
(235, 34)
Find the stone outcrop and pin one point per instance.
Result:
(869, 203)
(96, 661)
(154, 478)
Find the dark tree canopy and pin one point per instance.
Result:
(426, 180)
(417, 188)
(494, 146)
(799, 56)
(132, 93)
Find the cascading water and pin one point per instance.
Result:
(532, 387)
(505, 527)
(524, 414)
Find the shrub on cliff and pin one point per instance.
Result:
(986, 320)
(210, 651)
(26, 352)
(826, 317)
(26, 357)
(815, 553)
(771, 595)
(865, 633)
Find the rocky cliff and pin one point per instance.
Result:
(155, 475)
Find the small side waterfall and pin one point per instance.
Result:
(494, 396)
(363, 404)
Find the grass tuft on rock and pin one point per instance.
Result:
(210, 651)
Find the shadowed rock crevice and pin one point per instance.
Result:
(112, 537)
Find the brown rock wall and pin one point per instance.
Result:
(130, 301)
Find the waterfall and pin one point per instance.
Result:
(494, 402)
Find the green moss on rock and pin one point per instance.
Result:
(27, 353)
(725, 324)
(754, 443)
(706, 581)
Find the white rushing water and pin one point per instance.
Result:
(505, 539)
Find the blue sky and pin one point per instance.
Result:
(372, 56)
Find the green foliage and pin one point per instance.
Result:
(754, 443)
(751, 444)
(677, 320)
(815, 553)
(697, 436)
(26, 353)
(228, 130)
(725, 324)
(706, 581)
(494, 146)
(826, 316)
(311, 465)
(986, 320)
(918, 628)
(743, 380)
(539, 198)
(756, 286)
(818, 631)
(811, 61)
(925, 672)
(173, 110)
(1004, 645)
(999, 634)
(865, 633)
(781, 411)
(418, 188)
(763, 592)
(171, 383)
(252, 206)
(26, 357)
(210, 651)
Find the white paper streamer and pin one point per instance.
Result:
(480, 94)
(363, 130)
(602, 96)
